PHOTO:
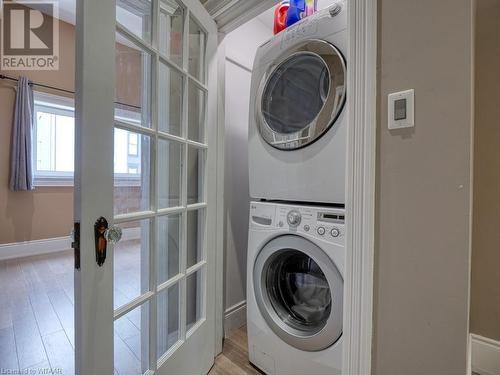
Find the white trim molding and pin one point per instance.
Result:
(235, 317)
(50, 245)
(485, 355)
(37, 247)
(360, 186)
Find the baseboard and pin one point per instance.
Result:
(37, 247)
(49, 245)
(235, 317)
(485, 354)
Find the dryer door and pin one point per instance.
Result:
(299, 291)
(301, 95)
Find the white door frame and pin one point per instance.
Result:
(360, 181)
(94, 107)
(360, 186)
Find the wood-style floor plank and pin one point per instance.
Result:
(60, 353)
(234, 357)
(8, 352)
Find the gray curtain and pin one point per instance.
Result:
(21, 171)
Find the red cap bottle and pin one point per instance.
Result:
(280, 16)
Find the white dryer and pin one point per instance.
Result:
(297, 125)
(295, 288)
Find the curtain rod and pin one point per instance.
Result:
(2, 76)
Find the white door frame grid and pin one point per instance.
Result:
(360, 186)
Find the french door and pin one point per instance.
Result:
(146, 170)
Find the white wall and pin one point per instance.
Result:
(241, 46)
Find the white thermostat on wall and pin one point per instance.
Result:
(401, 107)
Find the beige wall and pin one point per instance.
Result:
(423, 178)
(47, 211)
(485, 293)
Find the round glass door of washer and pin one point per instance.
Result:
(302, 95)
(299, 299)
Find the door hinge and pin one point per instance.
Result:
(76, 244)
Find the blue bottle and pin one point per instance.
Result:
(296, 12)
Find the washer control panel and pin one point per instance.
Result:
(321, 222)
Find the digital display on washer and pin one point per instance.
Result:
(330, 217)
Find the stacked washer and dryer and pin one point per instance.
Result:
(297, 157)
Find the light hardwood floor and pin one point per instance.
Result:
(37, 324)
(234, 357)
(37, 314)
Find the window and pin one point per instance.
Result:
(54, 143)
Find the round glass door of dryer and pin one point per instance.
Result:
(302, 95)
(301, 301)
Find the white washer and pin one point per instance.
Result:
(297, 125)
(295, 288)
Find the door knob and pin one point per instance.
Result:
(104, 234)
(113, 234)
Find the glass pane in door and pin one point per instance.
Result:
(169, 247)
(197, 45)
(133, 83)
(171, 23)
(131, 262)
(136, 16)
(195, 236)
(170, 154)
(194, 299)
(131, 172)
(168, 316)
(132, 342)
(170, 100)
(195, 172)
(196, 113)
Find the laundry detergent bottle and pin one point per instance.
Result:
(311, 7)
(296, 12)
(280, 16)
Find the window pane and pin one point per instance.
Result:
(194, 299)
(195, 236)
(171, 22)
(131, 262)
(197, 42)
(44, 141)
(132, 341)
(169, 173)
(131, 173)
(55, 140)
(133, 83)
(135, 16)
(170, 101)
(195, 172)
(196, 113)
(169, 241)
(65, 143)
(168, 319)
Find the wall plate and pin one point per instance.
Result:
(401, 110)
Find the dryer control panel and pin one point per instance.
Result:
(327, 223)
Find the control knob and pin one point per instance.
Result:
(294, 218)
(335, 232)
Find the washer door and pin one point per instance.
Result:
(301, 95)
(299, 291)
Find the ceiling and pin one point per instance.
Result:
(227, 13)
